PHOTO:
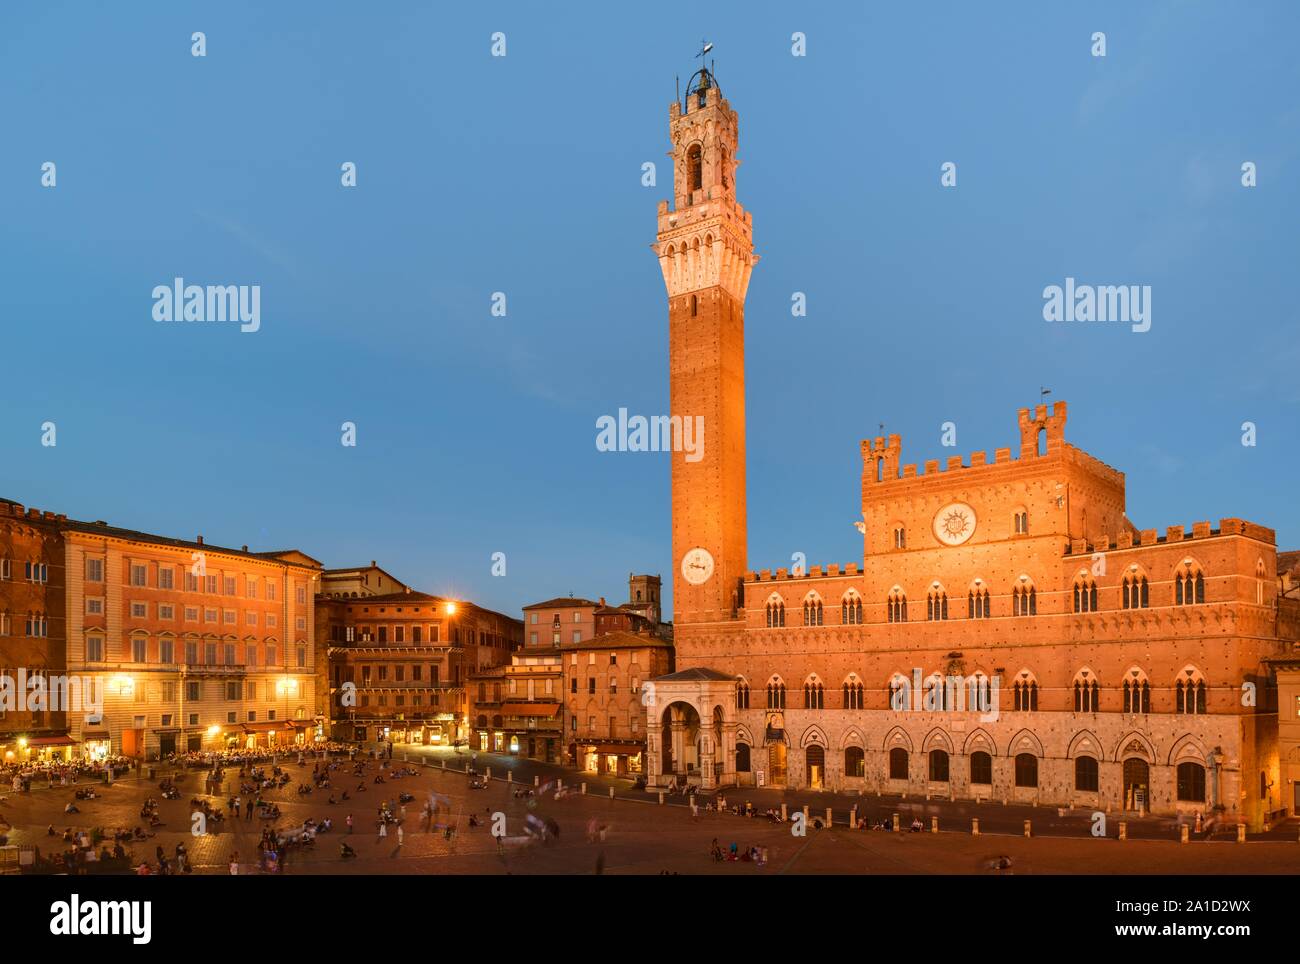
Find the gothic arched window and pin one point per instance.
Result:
(1024, 598)
(694, 167)
(897, 606)
(1137, 692)
(1137, 592)
(1085, 594)
(936, 603)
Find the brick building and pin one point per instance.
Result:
(1008, 634)
(572, 693)
(197, 646)
(399, 663)
(603, 679)
(187, 645)
(33, 633)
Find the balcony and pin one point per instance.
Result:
(223, 669)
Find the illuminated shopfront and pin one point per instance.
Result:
(610, 759)
(96, 746)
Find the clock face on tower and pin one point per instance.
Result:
(954, 523)
(697, 566)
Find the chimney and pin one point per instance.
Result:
(602, 601)
(199, 539)
(373, 564)
(245, 549)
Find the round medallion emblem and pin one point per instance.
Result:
(954, 523)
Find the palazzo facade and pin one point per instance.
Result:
(1008, 634)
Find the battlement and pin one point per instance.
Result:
(1145, 538)
(18, 511)
(1051, 425)
(880, 458)
(831, 571)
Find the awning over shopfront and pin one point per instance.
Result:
(63, 740)
(544, 710)
(267, 727)
(94, 734)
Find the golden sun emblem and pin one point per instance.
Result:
(954, 523)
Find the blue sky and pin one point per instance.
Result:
(522, 174)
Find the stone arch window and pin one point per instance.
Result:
(981, 768)
(1137, 692)
(900, 531)
(900, 692)
(1087, 775)
(1087, 692)
(1024, 597)
(898, 763)
(851, 609)
(694, 167)
(1020, 522)
(896, 605)
(1085, 593)
(695, 305)
(978, 605)
(937, 693)
(775, 694)
(775, 612)
(979, 696)
(1025, 692)
(1259, 582)
(1190, 692)
(852, 691)
(742, 695)
(855, 762)
(1026, 770)
(1189, 584)
(814, 694)
(812, 610)
(936, 603)
(938, 764)
(1191, 782)
(1137, 591)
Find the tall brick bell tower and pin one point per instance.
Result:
(706, 251)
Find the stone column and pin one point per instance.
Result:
(707, 780)
(728, 751)
(677, 732)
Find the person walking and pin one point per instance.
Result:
(383, 830)
(349, 822)
(401, 835)
(234, 863)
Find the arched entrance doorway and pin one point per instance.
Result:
(1137, 784)
(776, 764)
(681, 741)
(815, 758)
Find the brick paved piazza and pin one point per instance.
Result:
(641, 837)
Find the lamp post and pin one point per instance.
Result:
(449, 607)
